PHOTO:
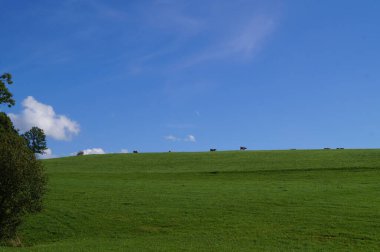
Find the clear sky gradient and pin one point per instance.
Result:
(192, 75)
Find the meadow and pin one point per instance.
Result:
(294, 200)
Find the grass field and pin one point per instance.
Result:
(317, 200)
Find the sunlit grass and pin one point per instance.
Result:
(325, 200)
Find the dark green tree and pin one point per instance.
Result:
(5, 95)
(36, 140)
(22, 179)
(6, 125)
(22, 183)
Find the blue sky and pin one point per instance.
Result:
(192, 75)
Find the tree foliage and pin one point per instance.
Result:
(5, 95)
(36, 140)
(6, 125)
(22, 179)
(22, 183)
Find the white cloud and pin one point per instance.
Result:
(172, 138)
(47, 154)
(93, 151)
(43, 116)
(190, 138)
(124, 151)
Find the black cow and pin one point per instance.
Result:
(243, 148)
(212, 149)
(135, 151)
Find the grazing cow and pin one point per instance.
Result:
(326, 148)
(135, 151)
(243, 148)
(212, 149)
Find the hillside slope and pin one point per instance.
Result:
(224, 201)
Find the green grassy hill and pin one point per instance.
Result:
(318, 200)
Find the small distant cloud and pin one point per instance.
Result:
(124, 151)
(172, 138)
(190, 138)
(43, 116)
(94, 151)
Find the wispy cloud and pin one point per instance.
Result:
(172, 17)
(194, 39)
(35, 113)
(242, 43)
(251, 36)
